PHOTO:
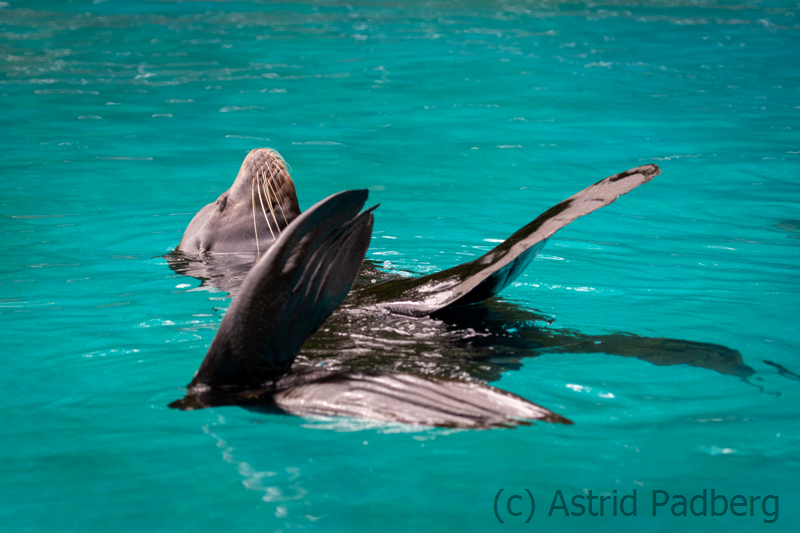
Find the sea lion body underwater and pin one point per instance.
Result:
(307, 263)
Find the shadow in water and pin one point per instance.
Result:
(783, 371)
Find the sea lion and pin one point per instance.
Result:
(305, 271)
(287, 294)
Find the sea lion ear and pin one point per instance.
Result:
(489, 274)
(289, 293)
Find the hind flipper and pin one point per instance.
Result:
(409, 399)
(488, 275)
(289, 293)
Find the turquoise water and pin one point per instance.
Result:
(466, 120)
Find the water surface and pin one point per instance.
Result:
(465, 120)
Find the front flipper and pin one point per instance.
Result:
(289, 293)
(489, 274)
(410, 399)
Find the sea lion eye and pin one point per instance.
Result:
(222, 202)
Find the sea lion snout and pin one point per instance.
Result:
(264, 169)
(260, 204)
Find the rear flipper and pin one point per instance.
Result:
(289, 293)
(387, 397)
(491, 273)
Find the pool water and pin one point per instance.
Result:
(465, 120)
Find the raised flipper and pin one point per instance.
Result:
(489, 274)
(382, 396)
(289, 293)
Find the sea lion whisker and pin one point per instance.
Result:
(255, 225)
(279, 161)
(278, 195)
(258, 184)
(280, 158)
(267, 194)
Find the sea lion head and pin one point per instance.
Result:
(250, 215)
